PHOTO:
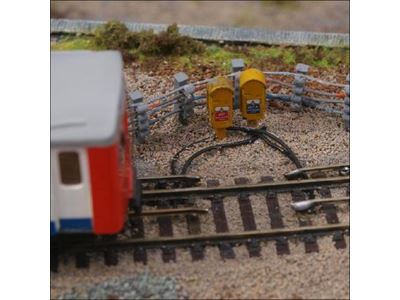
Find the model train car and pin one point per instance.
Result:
(92, 178)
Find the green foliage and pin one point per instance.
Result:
(147, 42)
(314, 56)
(289, 56)
(260, 52)
(185, 62)
(323, 57)
(115, 35)
(220, 56)
(146, 45)
(170, 42)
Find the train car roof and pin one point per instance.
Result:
(87, 97)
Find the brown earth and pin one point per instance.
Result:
(320, 16)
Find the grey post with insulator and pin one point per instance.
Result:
(299, 83)
(136, 98)
(187, 108)
(180, 79)
(141, 116)
(302, 69)
(184, 104)
(237, 66)
(346, 108)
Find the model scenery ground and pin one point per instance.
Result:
(317, 138)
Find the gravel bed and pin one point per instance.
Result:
(151, 227)
(322, 275)
(260, 211)
(316, 137)
(343, 213)
(207, 220)
(290, 219)
(142, 286)
(232, 212)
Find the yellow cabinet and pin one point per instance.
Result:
(252, 95)
(220, 105)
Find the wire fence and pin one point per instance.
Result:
(175, 101)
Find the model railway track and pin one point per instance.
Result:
(310, 242)
(343, 169)
(214, 239)
(281, 244)
(220, 221)
(285, 186)
(196, 241)
(329, 209)
(170, 212)
(331, 215)
(161, 182)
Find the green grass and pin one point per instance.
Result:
(289, 56)
(75, 43)
(320, 57)
(218, 55)
(185, 62)
(260, 52)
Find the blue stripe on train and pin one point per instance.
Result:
(76, 225)
(53, 229)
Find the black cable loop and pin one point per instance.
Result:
(262, 131)
(176, 156)
(218, 147)
(255, 133)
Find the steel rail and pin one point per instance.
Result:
(270, 234)
(307, 204)
(298, 172)
(154, 179)
(169, 211)
(258, 187)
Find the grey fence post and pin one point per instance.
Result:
(298, 86)
(237, 66)
(346, 108)
(183, 105)
(187, 108)
(141, 118)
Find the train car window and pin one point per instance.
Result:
(69, 168)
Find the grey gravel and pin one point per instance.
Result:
(143, 286)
